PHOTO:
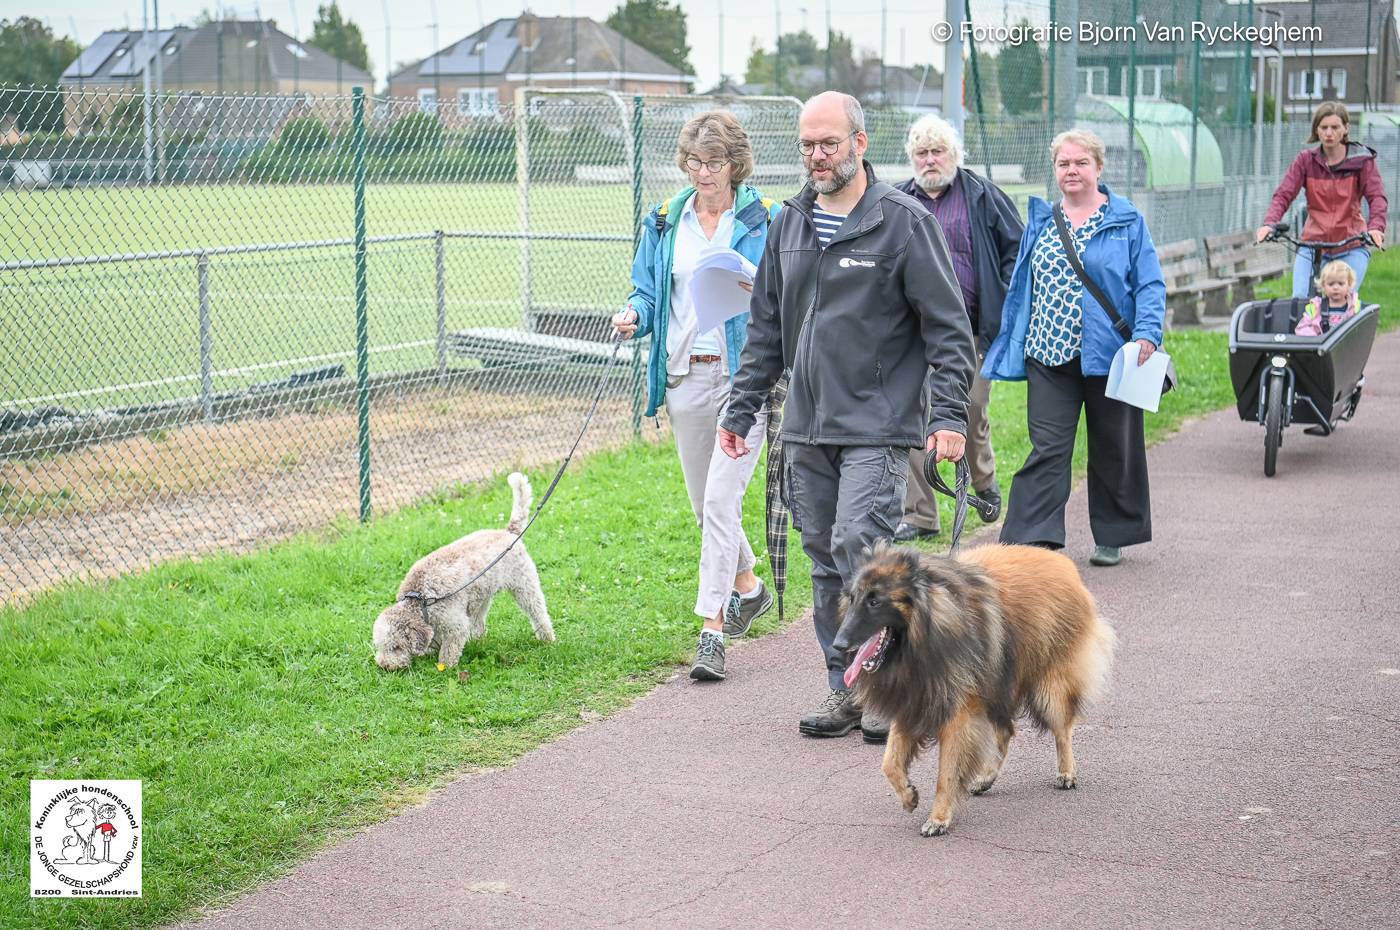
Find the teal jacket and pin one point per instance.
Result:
(651, 278)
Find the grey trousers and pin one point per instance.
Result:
(695, 402)
(845, 498)
(920, 501)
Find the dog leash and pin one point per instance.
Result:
(962, 479)
(425, 601)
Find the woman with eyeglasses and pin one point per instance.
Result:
(690, 371)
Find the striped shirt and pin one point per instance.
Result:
(827, 224)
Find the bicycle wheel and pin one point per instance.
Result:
(1273, 424)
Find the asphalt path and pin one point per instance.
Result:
(1241, 771)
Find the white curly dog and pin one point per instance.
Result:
(409, 628)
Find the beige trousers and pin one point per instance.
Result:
(695, 402)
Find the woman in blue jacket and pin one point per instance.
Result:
(1057, 338)
(691, 371)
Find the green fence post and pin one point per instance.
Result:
(636, 238)
(361, 298)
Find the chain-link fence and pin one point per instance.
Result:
(1200, 115)
(224, 320)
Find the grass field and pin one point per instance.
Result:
(71, 334)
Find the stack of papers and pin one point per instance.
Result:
(714, 287)
(1139, 385)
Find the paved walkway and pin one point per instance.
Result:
(1242, 771)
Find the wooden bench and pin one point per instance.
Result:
(1235, 255)
(1192, 292)
(501, 347)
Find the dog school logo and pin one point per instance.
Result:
(85, 839)
(855, 263)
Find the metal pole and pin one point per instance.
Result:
(1050, 104)
(953, 66)
(206, 341)
(828, 44)
(440, 254)
(1278, 111)
(361, 298)
(636, 238)
(778, 48)
(160, 84)
(1132, 103)
(1195, 118)
(977, 95)
(522, 189)
(148, 146)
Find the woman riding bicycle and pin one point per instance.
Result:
(1336, 173)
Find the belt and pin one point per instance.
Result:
(702, 359)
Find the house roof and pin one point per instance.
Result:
(252, 51)
(1342, 22)
(544, 45)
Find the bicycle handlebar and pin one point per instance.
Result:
(1280, 233)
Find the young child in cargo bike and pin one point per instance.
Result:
(1337, 302)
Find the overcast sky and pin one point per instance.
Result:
(410, 34)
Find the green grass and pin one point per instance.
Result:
(242, 689)
(242, 692)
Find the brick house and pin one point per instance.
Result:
(479, 74)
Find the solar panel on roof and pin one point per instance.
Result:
(142, 53)
(95, 55)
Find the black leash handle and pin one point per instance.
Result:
(962, 480)
(424, 601)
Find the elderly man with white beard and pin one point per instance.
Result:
(983, 232)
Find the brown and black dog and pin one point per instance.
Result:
(954, 649)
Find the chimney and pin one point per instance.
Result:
(527, 30)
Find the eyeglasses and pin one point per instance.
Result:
(694, 164)
(828, 148)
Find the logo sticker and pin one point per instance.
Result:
(855, 263)
(84, 839)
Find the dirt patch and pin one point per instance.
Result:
(117, 507)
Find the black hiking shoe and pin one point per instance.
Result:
(838, 715)
(873, 727)
(991, 504)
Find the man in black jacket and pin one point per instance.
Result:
(983, 232)
(856, 295)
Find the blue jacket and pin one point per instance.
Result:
(1120, 258)
(651, 278)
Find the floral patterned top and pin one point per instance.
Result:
(1056, 332)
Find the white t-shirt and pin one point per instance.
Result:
(682, 341)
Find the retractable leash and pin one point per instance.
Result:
(423, 600)
(962, 480)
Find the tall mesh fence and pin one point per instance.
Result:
(1200, 117)
(193, 358)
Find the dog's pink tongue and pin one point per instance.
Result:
(866, 650)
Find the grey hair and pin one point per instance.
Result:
(717, 133)
(931, 131)
(855, 114)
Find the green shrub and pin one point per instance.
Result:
(305, 134)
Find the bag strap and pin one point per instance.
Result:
(1084, 278)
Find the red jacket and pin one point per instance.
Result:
(1334, 193)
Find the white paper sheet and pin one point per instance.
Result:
(714, 287)
(1139, 385)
